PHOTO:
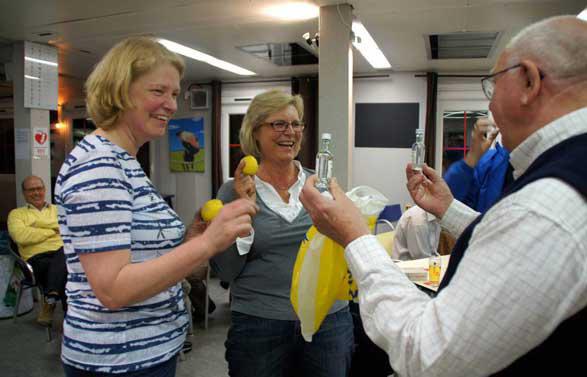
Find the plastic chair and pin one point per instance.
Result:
(389, 216)
(27, 281)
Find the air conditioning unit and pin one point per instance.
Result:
(199, 99)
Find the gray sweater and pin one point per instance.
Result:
(261, 280)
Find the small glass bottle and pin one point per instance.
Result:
(324, 161)
(418, 151)
(434, 267)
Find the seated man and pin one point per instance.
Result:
(416, 235)
(35, 230)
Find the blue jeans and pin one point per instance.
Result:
(260, 347)
(165, 369)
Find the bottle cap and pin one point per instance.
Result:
(419, 131)
(326, 136)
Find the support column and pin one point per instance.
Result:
(26, 121)
(336, 86)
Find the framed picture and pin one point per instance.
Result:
(186, 145)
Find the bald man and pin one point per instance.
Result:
(513, 301)
(34, 228)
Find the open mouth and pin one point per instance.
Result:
(163, 118)
(286, 144)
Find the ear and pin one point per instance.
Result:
(533, 82)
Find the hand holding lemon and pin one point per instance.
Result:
(251, 165)
(211, 209)
(244, 178)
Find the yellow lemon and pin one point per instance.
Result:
(251, 165)
(211, 209)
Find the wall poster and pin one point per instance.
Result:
(186, 145)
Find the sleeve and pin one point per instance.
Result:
(510, 289)
(460, 178)
(23, 234)
(97, 198)
(229, 263)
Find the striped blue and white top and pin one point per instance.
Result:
(107, 203)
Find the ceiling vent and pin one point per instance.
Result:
(461, 45)
(282, 54)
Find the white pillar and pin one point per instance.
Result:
(336, 85)
(27, 120)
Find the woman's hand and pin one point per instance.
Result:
(233, 220)
(244, 185)
(429, 191)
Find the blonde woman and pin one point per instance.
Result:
(264, 338)
(123, 244)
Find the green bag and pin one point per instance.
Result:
(13, 285)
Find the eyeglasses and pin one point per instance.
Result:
(488, 82)
(282, 125)
(34, 189)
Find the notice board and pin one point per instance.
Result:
(386, 125)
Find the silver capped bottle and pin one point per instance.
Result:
(418, 151)
(324, 163)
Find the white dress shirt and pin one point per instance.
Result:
(416, 235)
(288, 211)
(524, 272)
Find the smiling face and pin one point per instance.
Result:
(154, 96)
(276, 146)
(34, 192)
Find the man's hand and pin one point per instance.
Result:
(429, 190)
(244, 185)
(482, 137)
(338, 219)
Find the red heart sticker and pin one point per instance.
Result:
(41, 137)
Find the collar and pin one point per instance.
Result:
(30, 206)
(557, 131)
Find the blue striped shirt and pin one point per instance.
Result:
(105, 203)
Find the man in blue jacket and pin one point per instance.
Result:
(478, 179)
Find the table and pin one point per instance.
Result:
(417, 271)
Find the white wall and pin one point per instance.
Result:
(456, 94)
(384, 168)
(191, 190)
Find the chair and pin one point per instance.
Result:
(389, 216)
(27, 281)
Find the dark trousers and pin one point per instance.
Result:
(51, 272)
(261, 347)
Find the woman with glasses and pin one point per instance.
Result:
(264, 338)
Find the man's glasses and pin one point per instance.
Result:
(488, 82)
(34, 189)
(282, 125)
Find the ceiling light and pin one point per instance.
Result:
(31, 77)
(583, 15)
(293, 11)
(41, 61)
(368, 48)
(200, 56)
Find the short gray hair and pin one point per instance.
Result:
(557, 44)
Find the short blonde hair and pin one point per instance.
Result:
(262, 106)
(107, 87)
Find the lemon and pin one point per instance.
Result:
(251, 165)
(211, 209)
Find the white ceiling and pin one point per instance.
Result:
(84, 30)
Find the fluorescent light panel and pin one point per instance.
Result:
(31, 77)
(583, 15)
(368, 48)
(293, 11)
(47, 62)
(200, 56)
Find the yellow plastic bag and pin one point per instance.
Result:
(320, 275)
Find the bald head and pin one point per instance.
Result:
(558, 45)
(33, 190)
